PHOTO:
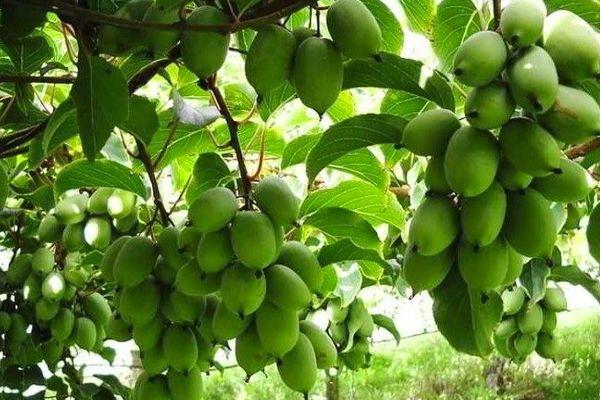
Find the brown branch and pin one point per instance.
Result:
(68, 79)
(234, 142)
(497, 6)
(14, 152)
(401, 191)
(165, 147)
(583, 149)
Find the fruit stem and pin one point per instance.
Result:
(497, 6)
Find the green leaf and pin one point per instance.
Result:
(364, 199)
(209, 171)
(297, 150)
(464, 316)
(403, 104)
(575, 276)
(533, 278)
(394, 72)
(363, 164)
(354, 133)
(586, 9)
(343, 108)
(100, 173)
(273, 100)
(42, 197)
(393, 36)
(349, 282)
(339, 223)
(28, 54)
(114, 384)
(330, 280)
(420, 14)
(345, 250)
(240, 99)
(388, 324)
(456, 21)
(62, 126)
(102, 101)
(142, 121)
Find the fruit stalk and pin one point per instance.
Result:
(497, 6)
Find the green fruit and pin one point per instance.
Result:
(354, 29)
(298, 368)
(154, 361)
(482, 217)
(4, 321)
(76, 275)
(502, 345)
(117, 329)
(339, 333)
(154, 388)
(337, 313)
(160, 41)
(359, 322)
(135, 261)
(71, 210)
(529, 225)
(253, 239)
(139, 304)
(522, 22)
(572, 184)
(277, 329)
(434, 211)
(530, 320)
(428, 133)
(62, 324)
(193, 282)
(73, 238)
(148, 336)
(97, 308)
(167, 242)
(227, 325)
(357, 358)
(515, 266)
(206, 353)
(85, 333)
(490, 106)
(188, 240)
(274, 197)
(17, 332)
(119, 41)
(110, 255)
(269, 59)
(592, 234)
(180, 347)
(286, 289)
(426, 272)
(45, 310)
(120, 203)
(529, 147)
(205, 52)
(32, 288)
(50, 230)
(214, 251)
(533, 80)
(511, 178)
(325, 350)
(550, 321)
(127, 223)
(187, 308)
(525, 344)
(506, 328)
(555, 300)
(53, 286)
(163, 272)
(483, 267)
(98, 201)
(513, 299)
(242, 289)
(302, 261)
(19, 269)
(52, 352)
(302, 33)
(573, 45)
(318, 84)
(42, 260)
(250, 353)
(213, 209)
(467, 147)
(547, 346)
(574, 117)
(185, 386)
(480, 59)
(97, 233)
(435, 176)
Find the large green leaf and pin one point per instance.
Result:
(351, 134)
(29, 54)
(61, 126)
(586, 9)
(394, 72)
(345, 250)
(533, 278)
(365, 199)
(340, 223)
(575, 276)
(274, 99)
(403, 104)
(388, 324)
(99, 173)
(143, 120)
(297, 150)
(464, 316)
(343, 108)
(102, 101)
(391, 30)
(456, 21)
(420, 14)
(363, 164)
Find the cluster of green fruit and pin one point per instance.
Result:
(314, 65)
(228, 274)
(528, 326)
(493, 193)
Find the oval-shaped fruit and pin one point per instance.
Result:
(138, 304)
(298, 367)
(275, 198)
(428, 133)
(120, 203)
(50, 230)
(435, 176)
(270, 57)
(529, 226)
(42, 260)
(17, 331)
(85, 333)
(227, 325)
(4, 321)
(506, 328)
(490, 106)
(154, 388)
(193, 282)
(513, 299)
(126, 224)
(98, 201)
(325, 350)
(286, 289)
(435, 211)
(573, 45)
(62, 324)
(19, 269)
(148, 336)
(97, 232)
(522, 22)
(533, 80)
(525, 344)
(318, 73)
(277, 329)
(187, 308)
(45, 309)
(426, 272)
(467, 147)
(242, 289)
(515, 266)
(253, 239)
(354, 29)
(250, 353)
(97, 308)
(482, 217)
(53, 286)
(302, 261)
(205, 52)
(119, 41)
(592, 233)
(135, 261)
(73, 238)
(32, 288)
(530, 320)
(160, 41)
(555, 300)
(511, 178)
(213, 209)
(571, 184)
(483, 267)
(550, 321)
(547, 346)
(168, 246)
(302, 33)
(185, 386)
(110, 255)
(214, 251)
(117, 329)
(71, 210)
(529, 147)
(480, 59)
(180, 347)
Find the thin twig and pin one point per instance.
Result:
(165, 147)
(261, 158)
(36, 79)
(183, 190)
(583, 149)
(497, 6)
